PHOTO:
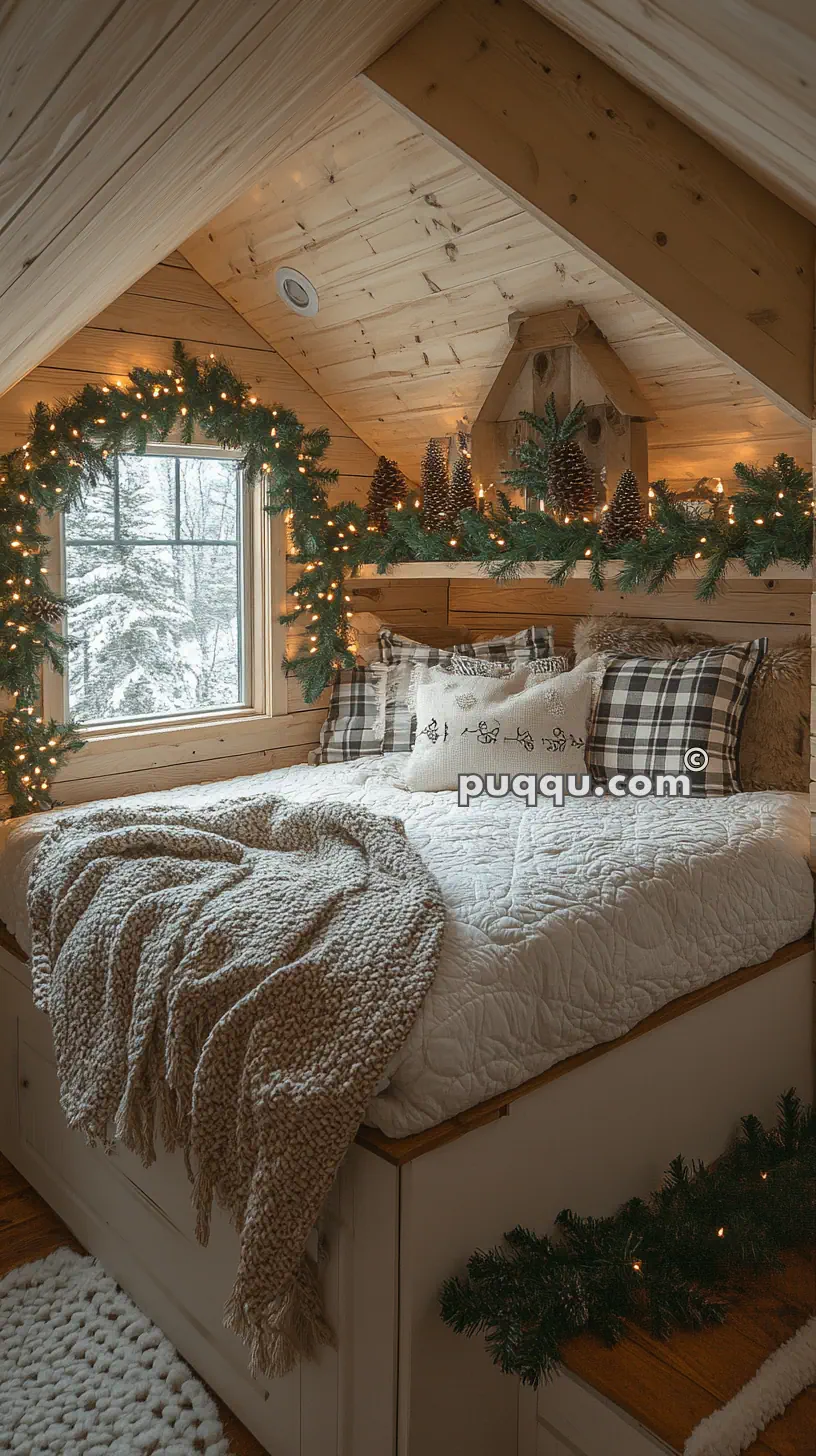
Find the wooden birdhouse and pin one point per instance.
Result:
(564, 354)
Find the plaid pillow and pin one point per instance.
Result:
(355, 721)
(402, 655)
(650, 712)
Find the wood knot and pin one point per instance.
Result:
(661, 239)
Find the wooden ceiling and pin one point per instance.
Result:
(418, 262)
(127, 125)
(740, 72)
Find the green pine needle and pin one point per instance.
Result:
(666, 1263)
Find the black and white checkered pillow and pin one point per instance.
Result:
(649, 713)
(402, 655)
(355, 721)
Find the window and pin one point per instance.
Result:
(154, 576)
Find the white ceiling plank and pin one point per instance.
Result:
(170, 111)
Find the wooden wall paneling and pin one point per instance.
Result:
(471, 626)
(211, 770)
(135, 124)
(628, 183)
(778, 600)
(444, 611)
(173, 300)
(419, 264)
(741, 74)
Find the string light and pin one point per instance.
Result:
(327, 639)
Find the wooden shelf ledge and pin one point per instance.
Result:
(542, 570)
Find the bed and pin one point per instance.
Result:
(568, 929)
(565, 926)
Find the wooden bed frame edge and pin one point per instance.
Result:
(399, 1151)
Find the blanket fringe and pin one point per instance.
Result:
(202, 1201)
(290, 1328)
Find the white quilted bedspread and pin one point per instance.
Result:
(565, 926)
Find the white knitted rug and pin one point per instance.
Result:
(779, 1379)
(82, 1370)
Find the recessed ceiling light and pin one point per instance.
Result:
(296, 291)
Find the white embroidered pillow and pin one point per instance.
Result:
(515, 724)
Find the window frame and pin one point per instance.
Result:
(212, 733)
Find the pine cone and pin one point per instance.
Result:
(571, 480)
(388, 489)
(625, 520)
(43, 609)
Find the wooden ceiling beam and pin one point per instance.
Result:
(128, 126)
(630, 185)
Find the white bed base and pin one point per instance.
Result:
(400, 1383)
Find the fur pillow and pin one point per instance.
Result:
(773, 749)
(635, 637)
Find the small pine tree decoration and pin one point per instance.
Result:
(388, 490)
(435, 488)
(554, 467)
(462, 495)
(625, 520)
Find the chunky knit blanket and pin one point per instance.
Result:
(241, 973)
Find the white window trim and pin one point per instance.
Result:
(125, 747)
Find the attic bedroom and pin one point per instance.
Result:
(406, 898)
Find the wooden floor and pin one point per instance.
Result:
(29, 1230)
(670, 1386)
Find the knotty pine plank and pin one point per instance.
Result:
(730, 261)
(30, 1230)
(783, 602)
(564, 626)
(703, 60)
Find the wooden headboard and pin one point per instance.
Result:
(452, 610)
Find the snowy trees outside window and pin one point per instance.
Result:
(153, 580)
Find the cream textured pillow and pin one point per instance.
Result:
(508, 725)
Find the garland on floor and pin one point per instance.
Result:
(70, 446)
(665, 1264)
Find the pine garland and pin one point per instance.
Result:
(70, 449)
(666, 1264)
